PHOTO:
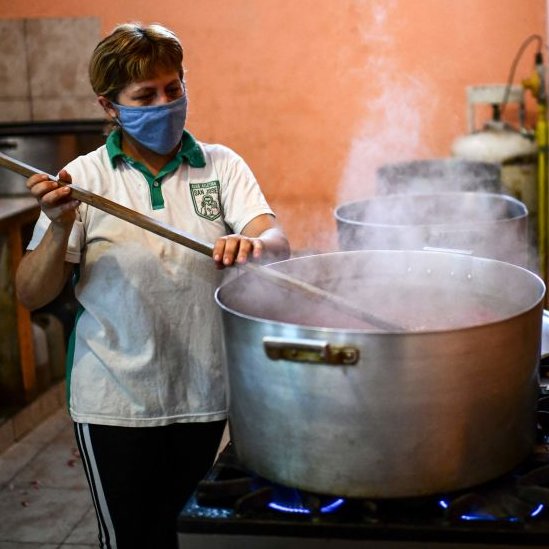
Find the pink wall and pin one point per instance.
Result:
(315, 94)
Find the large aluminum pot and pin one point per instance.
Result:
(438, 175)
(324, 404)
(485, 224)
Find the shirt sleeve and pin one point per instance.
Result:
(241, 197)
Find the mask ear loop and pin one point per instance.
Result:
(113, 120)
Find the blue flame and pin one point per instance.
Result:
(332, 506)
(304, 511)
(286, 509)
(486, 517)
(479, 516)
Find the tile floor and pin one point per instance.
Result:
(44, 498)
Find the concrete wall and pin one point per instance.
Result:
(316, 94)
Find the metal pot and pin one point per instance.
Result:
(319, 403)
(47, 145)
(438, 175)
(488, 225)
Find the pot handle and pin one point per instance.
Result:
(310, 351)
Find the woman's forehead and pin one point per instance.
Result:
(159, 78)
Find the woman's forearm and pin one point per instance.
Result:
(276, 243)
(43, 272)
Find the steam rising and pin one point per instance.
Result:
(421, 291)
(441, 203)
(488, 225)
(393, 132)
(438, 175)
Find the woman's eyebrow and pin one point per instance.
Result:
(147, 86)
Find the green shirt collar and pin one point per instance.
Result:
(190, 150)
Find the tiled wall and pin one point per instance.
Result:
(44, 69)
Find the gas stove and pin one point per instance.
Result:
(234, 508)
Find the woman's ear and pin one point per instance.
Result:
(108, 107)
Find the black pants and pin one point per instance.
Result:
(140, 478)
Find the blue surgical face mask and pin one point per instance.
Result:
(157, 127)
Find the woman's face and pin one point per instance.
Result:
(163, 87)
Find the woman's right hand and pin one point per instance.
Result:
(54, 199)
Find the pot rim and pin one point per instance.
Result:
(374, 331)
(522, 210)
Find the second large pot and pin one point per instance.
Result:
(320, 402)
(438, 175)
(485, 224)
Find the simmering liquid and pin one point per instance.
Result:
(415, 308)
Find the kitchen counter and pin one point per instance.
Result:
(17, 209)
(18, 380)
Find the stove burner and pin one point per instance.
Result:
(490, 508)
(245, 493)
(330, 508)
(512, 510)
(292, 500)
(518, 498)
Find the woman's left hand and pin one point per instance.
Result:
(260, 238)
(236, 248)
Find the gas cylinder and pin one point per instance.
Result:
(513, 149)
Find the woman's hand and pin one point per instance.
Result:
(261, 238)
(236, 248)
(54, 199)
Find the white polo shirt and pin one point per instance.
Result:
(146, 347)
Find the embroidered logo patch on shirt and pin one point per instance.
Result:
(206, 199)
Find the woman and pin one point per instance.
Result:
(145, 383)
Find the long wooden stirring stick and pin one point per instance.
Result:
(181, 237)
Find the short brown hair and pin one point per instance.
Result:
(133, 52)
